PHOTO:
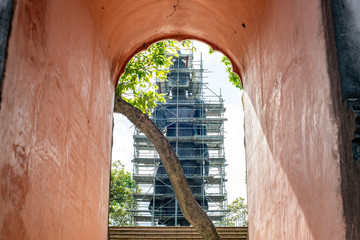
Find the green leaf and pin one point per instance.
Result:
(233, 77)
(211, 51)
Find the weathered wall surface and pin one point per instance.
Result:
(55, 125)
(57, 100)
(292, 142)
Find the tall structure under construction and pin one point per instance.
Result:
(192, 120)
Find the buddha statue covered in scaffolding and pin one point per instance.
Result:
(179, 119)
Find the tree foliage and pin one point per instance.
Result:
(122, 189)
(233, 77)
(238, 213)
(135, 85)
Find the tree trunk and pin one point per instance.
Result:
(191, 210)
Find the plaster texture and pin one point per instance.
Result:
(55, 120)
(292, 142)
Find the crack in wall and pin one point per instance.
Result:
(174, 10)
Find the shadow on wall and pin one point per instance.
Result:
(346, 20)
(284, 193)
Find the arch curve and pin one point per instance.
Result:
(212, 22)
(120, 66)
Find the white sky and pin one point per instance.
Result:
(234, 130)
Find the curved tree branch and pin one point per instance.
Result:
(192, 211)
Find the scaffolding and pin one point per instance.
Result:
(192, 119)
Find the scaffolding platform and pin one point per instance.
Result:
(144, 178)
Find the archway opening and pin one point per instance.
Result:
(60, 73)
(216, 85)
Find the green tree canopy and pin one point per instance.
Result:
(233, 78)
(122, 189)
(238, 213)
(135, 85)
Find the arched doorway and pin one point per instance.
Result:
(224, 153)
(64, 58)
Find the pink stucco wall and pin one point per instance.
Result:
(55, 120)
(292, 150)
(55, 125)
